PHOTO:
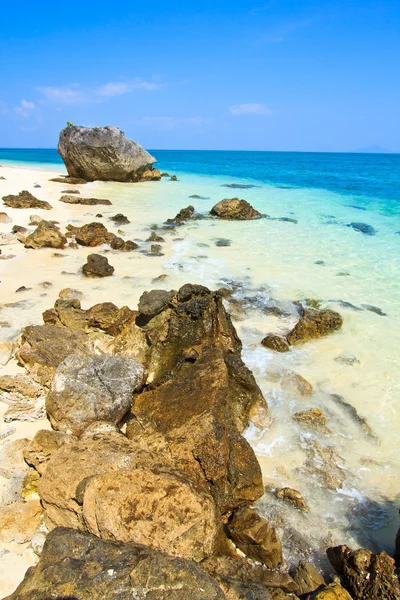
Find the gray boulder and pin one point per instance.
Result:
(102, 153)
(90, 389)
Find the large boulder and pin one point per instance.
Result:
(78, 565)
(314, 324)
(46, 235)
(364, 574)
(235, 209)
(90, 389)
(102, 153)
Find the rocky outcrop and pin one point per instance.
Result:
(84, 201)
(92, 389)
(97, 266)
(105, 316)
(25, 200)
(307, 578)
(185, 214)
(78, 565)
(46, 235)
(333, 591)
(314, 324)
(235, 209)
(364, 574)
(103, 153)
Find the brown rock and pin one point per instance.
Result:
(69, 180)
(35, 219)
(334, 591)
(235, 209)
(19, 521)
(275, 342)
(25, 200)
(313, 419)
(324, 461)
(120, 219)
(70, 294)
(255, 537)
(97, 266)
(92, 234)
(45, 443)
(70, 191)
(151, 175)
(77, 565)
(84, 201)
(307, 578)
(314, 324)
(292, 496)
(105, 316)
(185, 214)
(296, 384)
(46, 235)
(4, 218)
(364, 574)
(20, 384)
(155, 238)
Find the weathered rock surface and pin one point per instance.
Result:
(333, 591)
(314, 324)
(102, 153)
(185, 214)
(67, 199)
(307, 578)
(293, 497)
(235, 209)
(90, 389)
(69, 180)
(296, 384)
(364, 574)
(325, 462)
(313, 419)
(275, 342)
(4, 218)
(19, 521)
(256, 537)
(81, 566)
(120, 219)
(105, 316)
(38, 451)
(97, 266)
(91, 234)
(20, 384)
(25, 200)
(46, 235)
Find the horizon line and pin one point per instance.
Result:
(228, 150)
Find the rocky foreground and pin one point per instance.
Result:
(146, 483)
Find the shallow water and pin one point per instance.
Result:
(276, 262)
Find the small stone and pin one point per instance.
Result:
(4, 218)
(347, 359)
(22, 288)
(223, 242)
(97, 266)
(275, 342)
(35, 220)
(120, 219)
(155, 238)
(70, 294)
(293, 497)
(70, 191)
(296, 384)
(173, 178)
(156, 249)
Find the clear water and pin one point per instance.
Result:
(276, 261)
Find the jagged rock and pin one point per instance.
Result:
(156, 249)
(324, 461)
(20, 384)
(275, 342)
(307, 578)
(314, 324)
(197, 417)
(293, 497)
(126, 246)
(46, 235)
(19, 521)
(185, 214)
(92, 234)
(255, 537)
(85, 201)
(235, 209)
(89, 389)
(97, 266)
(296, 384)
(24, 411)
(333, 591)
(151, 175)
(44, 347)
(312, 419)
(19, 229)
(77, 565)
(69, 180)
(38, 451)
(154, 302)
(102, 153)
(25, 200)
(120, 219)
(4, 218)
(364, 574)
(70, 191)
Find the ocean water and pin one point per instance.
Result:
(313, 253)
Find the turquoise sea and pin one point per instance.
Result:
(332, 235)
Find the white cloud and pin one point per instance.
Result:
(118, 88)
(252, 108)
(63, 95)
(24, 109)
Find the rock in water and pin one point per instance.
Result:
(97, 266)
(235, 209)
(46, 235)
(275, 342)
(364, 574)
(77, 565)
(102, 153)
(25, 200)
(314, 324)
(92, 388)
(363, 228)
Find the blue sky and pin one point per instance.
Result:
(262, 75)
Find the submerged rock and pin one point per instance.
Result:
(293, 497)
(240, 186)
(78, 565)
(296, 384)
(364, 574)
(46, 235)
(84, 201)
(120, 219)
(102, 153)
(314, 324)
(25, 200)
(363, 228)
(235, 209)
(374, 309)
(312, 419)
(91, 389)
(97, 266)
(325, 462)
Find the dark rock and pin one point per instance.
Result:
(120, 219)
(70, 191)
(173, 178)
(235, 209)
(164, 174)
(363, 228)
(97, 266)
(352, 412)
(255, 537)
(185, 214)
(307, 577)
(314, 324)
(374, 309)
(46, 235)
(197, 197)
(288, 220)
(84, 201)
(118, 243)
(293, 497)
(25, 200)
(69, 180)
(76, 565)
(102, 153)
(92, 234)
(155, 238)
(223, 242)
(240, 186)
(154, 302)
(347, 359)
(156, 249)
(99, 216)
(320, 262)
(364, 574)
(22, 288)
(18, 229)
(275, 342)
